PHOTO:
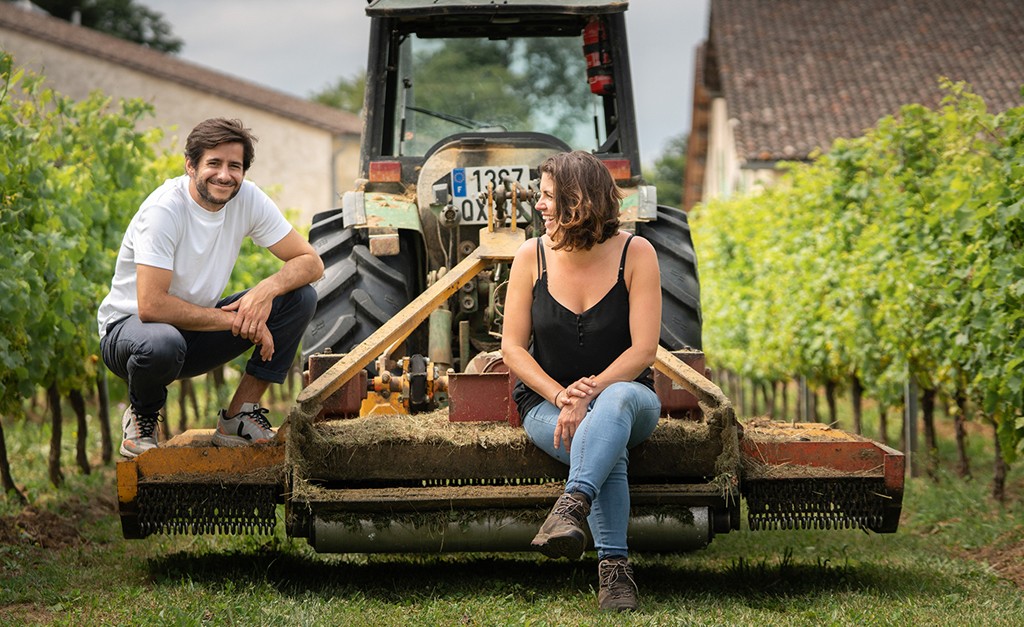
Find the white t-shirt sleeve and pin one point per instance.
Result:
(157, 231)
(269, 224)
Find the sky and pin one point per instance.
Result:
(302, 46)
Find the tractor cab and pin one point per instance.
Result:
(554, 73)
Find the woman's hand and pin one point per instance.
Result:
(581, 389)
(572, 404)
(569, 418)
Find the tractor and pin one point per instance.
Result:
(405, 437)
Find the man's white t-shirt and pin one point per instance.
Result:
(173, 232)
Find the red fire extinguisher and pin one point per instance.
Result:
(599, 58)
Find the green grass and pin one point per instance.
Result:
(926, 574)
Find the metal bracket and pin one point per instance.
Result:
(648, 202)
(353, 209)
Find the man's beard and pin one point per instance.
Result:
(203, 189)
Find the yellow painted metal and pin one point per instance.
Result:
(127, 481)
(376, 404)
(192, 453)
(500, 244)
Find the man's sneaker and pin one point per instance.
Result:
(618, 589)
(138, 432)
(249, 426)
(562, 533)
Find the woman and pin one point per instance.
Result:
(590, 297)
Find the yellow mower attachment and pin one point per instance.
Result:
(188, 485)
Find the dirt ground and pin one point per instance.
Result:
(1005, 556)
(55, 530)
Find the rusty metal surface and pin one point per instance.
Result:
(192, 453)
(385, 210)
(500, 244)
(783, 449)
(384, 244)
(675, 399)
(481, 398)
(345, 402)
(686, 377)
(485, 397)
(810, 476)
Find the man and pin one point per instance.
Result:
(164, 318)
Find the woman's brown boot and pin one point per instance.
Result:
(562, 533)
(618, 589)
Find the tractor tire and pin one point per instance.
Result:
(358, 292)
(680, 287)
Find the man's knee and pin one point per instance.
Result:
(297, 306)
(306, 301)
(163, 350)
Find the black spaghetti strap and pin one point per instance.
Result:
(622, 262)
(542, 262)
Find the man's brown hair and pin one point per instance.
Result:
(586, 200)
(215, 131)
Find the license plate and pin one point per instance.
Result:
(469, 183)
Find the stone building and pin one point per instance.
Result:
(307, 155)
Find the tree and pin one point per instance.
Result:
(72, 174)
(896, 255)
(345, 94)
(669, 170)
(124, 19)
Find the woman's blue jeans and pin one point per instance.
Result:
(622, 416)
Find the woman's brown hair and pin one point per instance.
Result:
(586, 200)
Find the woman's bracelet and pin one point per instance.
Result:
(557, 406)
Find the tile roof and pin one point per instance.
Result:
(797, 74)
(167, 67)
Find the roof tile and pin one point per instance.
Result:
(798, 74)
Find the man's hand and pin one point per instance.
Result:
(252, 311)
(266, 343)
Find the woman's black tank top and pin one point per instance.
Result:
(569, 346)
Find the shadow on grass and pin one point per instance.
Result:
(662, 579)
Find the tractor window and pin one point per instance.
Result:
(474, 84)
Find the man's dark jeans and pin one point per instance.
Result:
(152, 355)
